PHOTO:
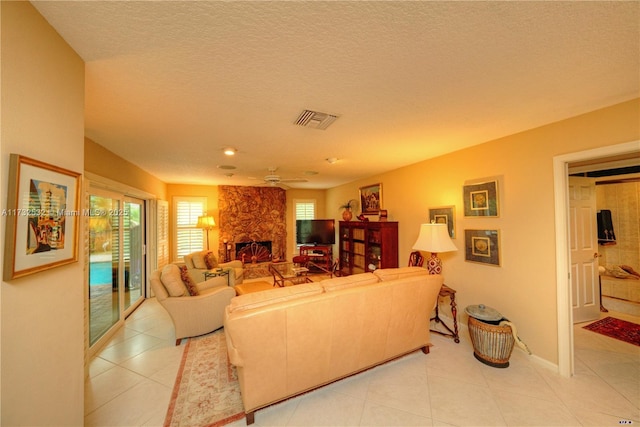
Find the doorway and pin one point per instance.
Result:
(116, 260)
(563, 261)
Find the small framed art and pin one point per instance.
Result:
(444, 215)
(41, 217)
(481, 199)
(482, 246)
(371, 199)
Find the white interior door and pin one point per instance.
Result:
(585, 289)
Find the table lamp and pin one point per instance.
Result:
(434, 238)
(206, 222)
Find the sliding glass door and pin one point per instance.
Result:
(133, 239)
(116, 260)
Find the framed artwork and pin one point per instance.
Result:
(482, 246)
(41, 217)
(481, 199)
(444, 215)
(371, 199)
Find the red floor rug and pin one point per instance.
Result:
(618, 329)
(206, 392)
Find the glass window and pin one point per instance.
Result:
(188, 238)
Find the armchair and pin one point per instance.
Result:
(191, 315)
(200, 262)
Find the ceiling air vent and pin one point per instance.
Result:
(315, 119)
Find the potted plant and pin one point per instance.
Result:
(346, 213)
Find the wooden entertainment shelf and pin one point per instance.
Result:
(367, 246)
(320, 255)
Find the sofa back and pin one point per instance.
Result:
(309, 335)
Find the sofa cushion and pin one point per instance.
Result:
(210, 260)
(386, 274)
(273, 296)
(188, 281)
(172, 281)
(339, 283)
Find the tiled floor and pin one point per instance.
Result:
(132, 379)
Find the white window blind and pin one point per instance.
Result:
(188, 237)
(305, 210)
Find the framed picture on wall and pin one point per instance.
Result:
(371, 199)
(41, 217)
(481, 199)
(444, 215)
(482, 246)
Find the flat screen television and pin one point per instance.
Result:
(315, 231)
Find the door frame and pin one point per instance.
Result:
(563, 281)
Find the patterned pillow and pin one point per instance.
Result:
(210, 260)
(188, 281)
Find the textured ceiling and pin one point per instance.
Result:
(169, 84)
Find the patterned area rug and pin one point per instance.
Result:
(616, 328)
(206, 392)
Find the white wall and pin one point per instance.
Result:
(42, 328)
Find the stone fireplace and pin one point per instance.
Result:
(252, 214)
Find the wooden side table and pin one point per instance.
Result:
(446, 291)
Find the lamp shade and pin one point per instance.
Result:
(206, 222)
(434, 238)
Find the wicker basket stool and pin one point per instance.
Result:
(492, 343)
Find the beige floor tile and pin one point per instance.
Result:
(103, 388)
(463, 404)
(129, 348)
(381, 415)
(323, 408)
(524, 410)
(140, 405)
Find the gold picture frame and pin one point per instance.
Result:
(41, 219)
(371, 199)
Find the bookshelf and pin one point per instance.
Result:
(367, 246)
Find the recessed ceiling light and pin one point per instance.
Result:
(226, 167)
(229, 151)
(332, 160)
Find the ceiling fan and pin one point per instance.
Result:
(273, 180)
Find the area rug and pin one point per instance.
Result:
(616, 328)
(206, 392)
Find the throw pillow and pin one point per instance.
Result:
(198, 260)
(172, 281)
(188, 281)
(210, 260)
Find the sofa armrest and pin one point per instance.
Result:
(211, 283)
(188, 305)
(236, 275)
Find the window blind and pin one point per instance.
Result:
(188, 238)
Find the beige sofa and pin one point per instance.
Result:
(200, 262)
(287, 341)
(191, 315)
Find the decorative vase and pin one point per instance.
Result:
(347, 214)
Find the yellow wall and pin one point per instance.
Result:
(523, 289)
(42, 327)
(102, 162)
